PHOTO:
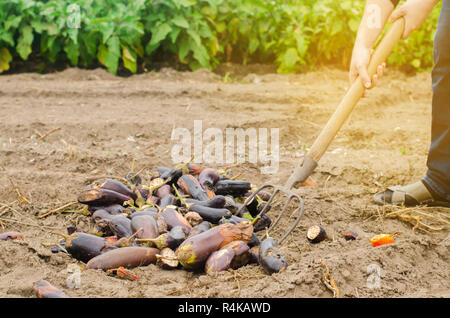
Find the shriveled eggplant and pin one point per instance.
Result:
(235, 188)
(262, 222)
(169, 199)
(164, 190)
(167, 259)
(84, 246)
(121, 226)
(192, 187)
(270, 257)
(208, 178)
(128, 257)
(101, 215)
(219, 261)
(171, 239)
(116, 186)
(111, 209)
(102, 197)
(174, 218)
(149, 211)
(202, 227)
(241, 253)
(12, 235)
(133, 178)
(216, 202)
(193, 218)
(148, 225)
(316, 234)
(43, 289)
(350, 236)
(195, 250)
(211, 214)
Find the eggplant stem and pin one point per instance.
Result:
(65, 236)
(135, 233)
(180, 197)
(82, 212)
(255, 219)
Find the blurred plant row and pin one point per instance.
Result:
(295, 35)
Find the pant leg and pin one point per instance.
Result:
(438, 174)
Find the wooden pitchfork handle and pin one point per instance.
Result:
(310, 160)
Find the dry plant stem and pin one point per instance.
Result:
(57, 209)
(404, 214)
(28, 224)
(48, 133)
(17, 212)
(329, 281)
(19, 192)
(236, 279)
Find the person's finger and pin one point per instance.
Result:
(374, 80)
(353, 75)
(364, 75)
(397, 14)
(380, 70)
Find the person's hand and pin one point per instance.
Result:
(359, 64)
(414, 12)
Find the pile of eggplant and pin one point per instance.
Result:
(185, 216)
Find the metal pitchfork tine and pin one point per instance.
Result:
(310, 161)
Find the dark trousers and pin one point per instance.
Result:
(438, 174)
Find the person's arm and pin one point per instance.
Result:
(376, 14)
(414, 12)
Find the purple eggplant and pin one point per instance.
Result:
(84, 246)
(219, 261)
(121, 226)
(270, 257)
(101, 215)
(111, 209)
(116, 186)
(211, 214)
(202, 227)
(134, 179)
(101, 197)
(169, 199)
(174, 218)
(171, 239)
(190, 185)
(147, 224)
(216, 202)
(164, 190)
(193, 218)
(208, 178)
(234, 188)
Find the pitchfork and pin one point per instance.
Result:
(310, 161)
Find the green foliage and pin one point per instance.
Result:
(294, 34)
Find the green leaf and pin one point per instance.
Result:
(12, 22)
(180, 21)
(160, 33)
(5, 59)
(129, 59)
(24, 42)
(253, 45)
(112, 56)
(290, 58)
(72, 50)
(184, 48)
